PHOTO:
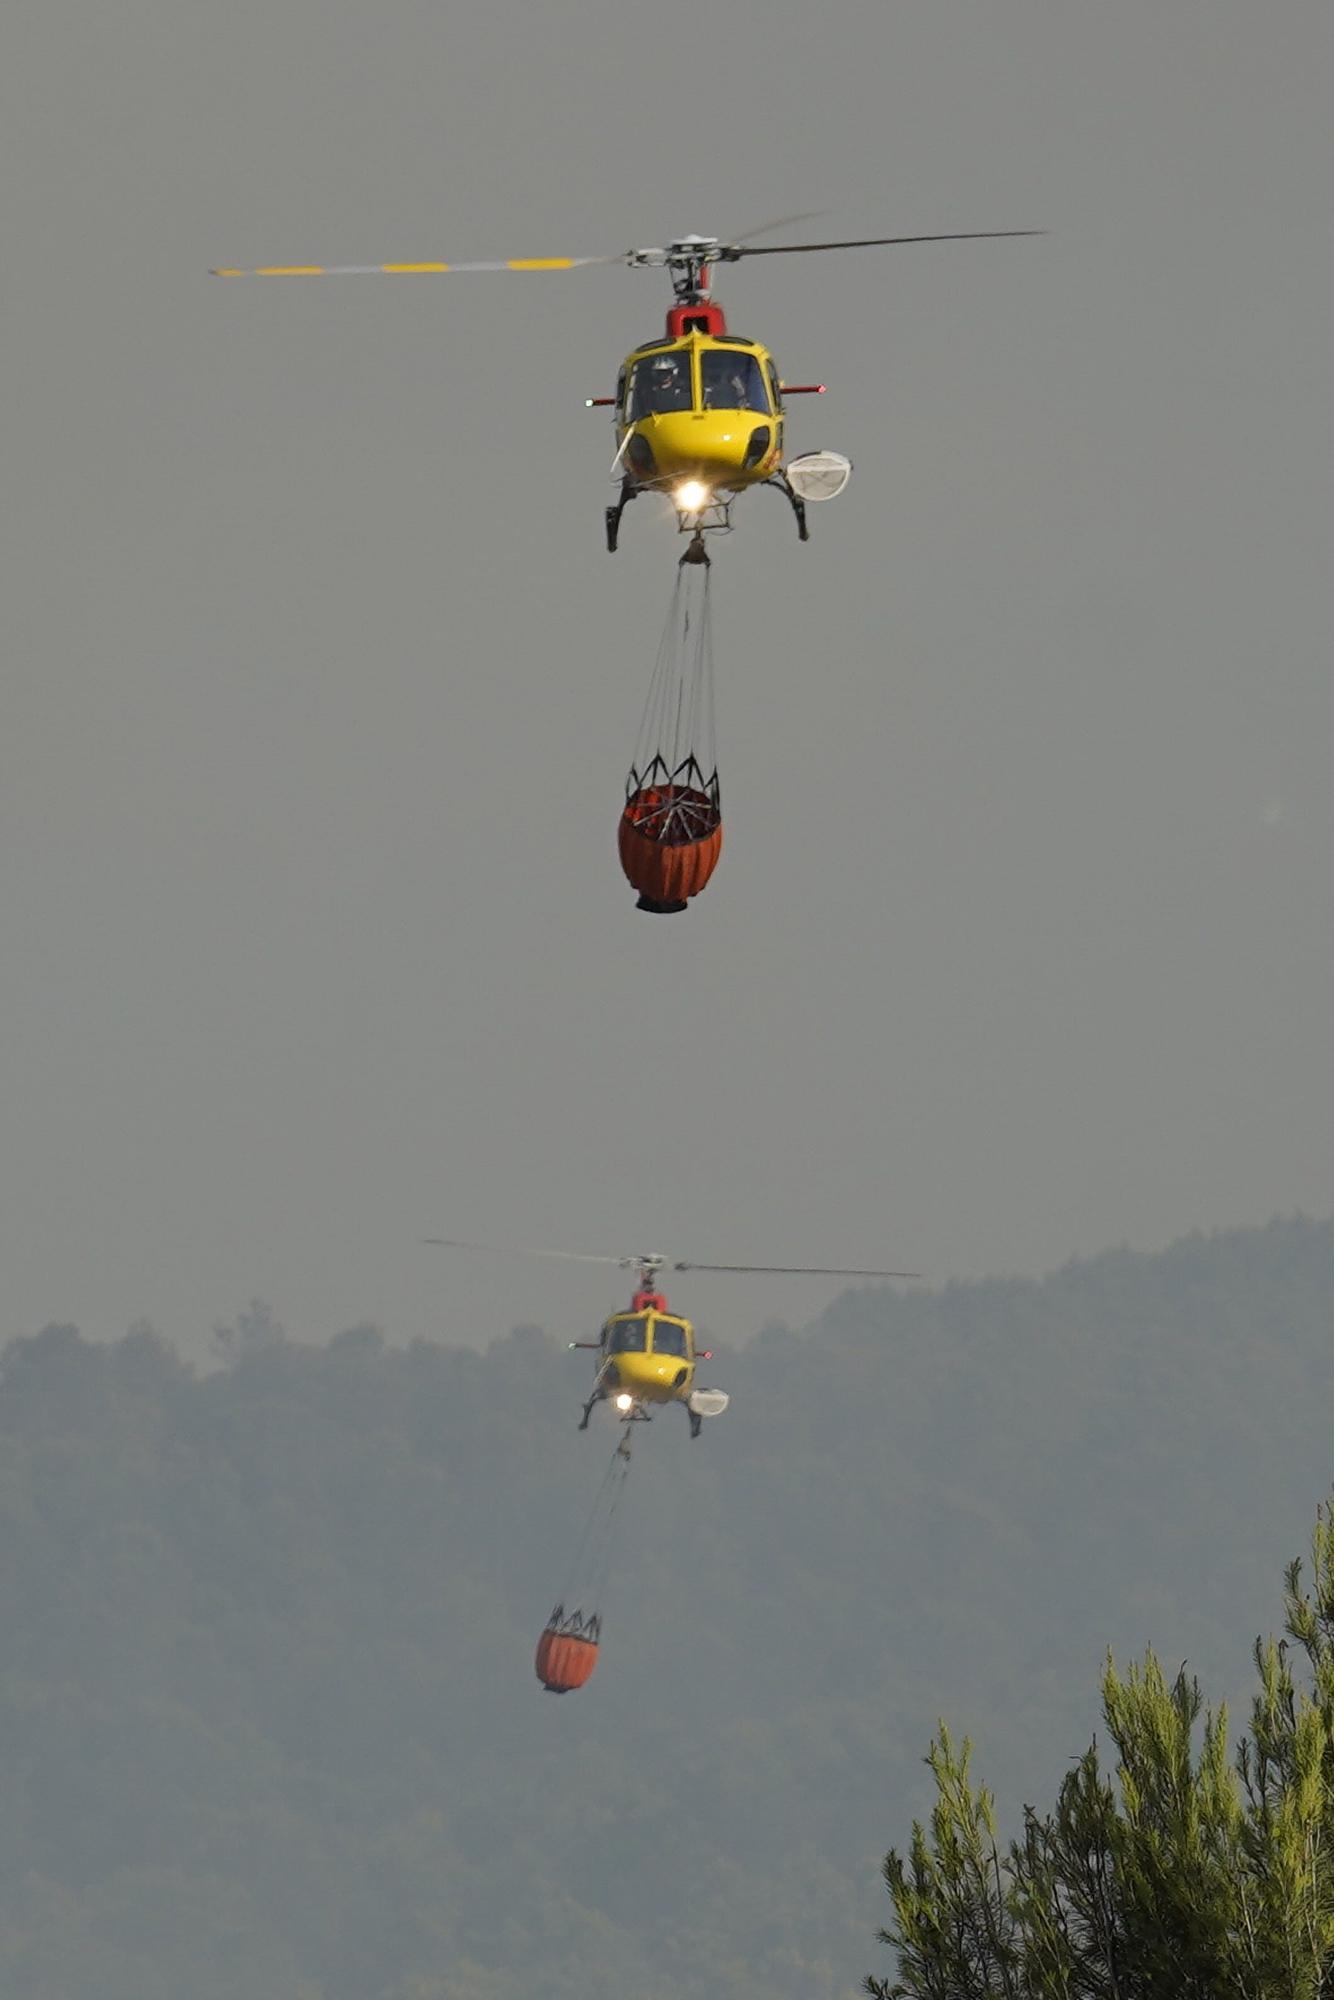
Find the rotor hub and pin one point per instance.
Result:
(688, 259)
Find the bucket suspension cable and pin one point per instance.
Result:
(567, 1651)
(593, 1566)
(671, 829)
(678, 727)
(587, 1577)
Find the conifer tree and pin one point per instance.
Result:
(1186, 1874)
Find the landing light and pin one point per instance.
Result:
(692, 496)
(624, 1402)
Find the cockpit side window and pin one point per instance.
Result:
(660, 383)
(628, 1335)
(669, 1337)
(732, 381)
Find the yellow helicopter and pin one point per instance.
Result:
(647, 1354)
(700, 414)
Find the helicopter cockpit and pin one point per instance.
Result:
(647, 1333)
(732, 381)
(660, 384)
(663, 382)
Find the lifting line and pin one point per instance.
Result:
(592, 1563)
(676, 737)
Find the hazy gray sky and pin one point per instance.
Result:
(319, 686)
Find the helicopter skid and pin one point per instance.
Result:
(704, 1403)
(638, 1412)
(713, 519)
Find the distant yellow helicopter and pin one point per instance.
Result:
(647, 1354)
(699, 414)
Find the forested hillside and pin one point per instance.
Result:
(268, 1722)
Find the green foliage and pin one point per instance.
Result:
(1190, 1878)
(954, 1928)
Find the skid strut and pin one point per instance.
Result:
(615, 511)
(784, 485)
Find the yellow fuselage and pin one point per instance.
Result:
(720, 422)
(648, 1355)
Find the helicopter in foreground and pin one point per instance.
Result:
(647, 1354)
(699, 414)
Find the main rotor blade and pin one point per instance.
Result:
(521, 1250)
(767, 228)
(407, 270)
(733, 251)
(798, 1270)
(663, 1263)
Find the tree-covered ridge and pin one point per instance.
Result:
(1187, 1876)
(267, 1712)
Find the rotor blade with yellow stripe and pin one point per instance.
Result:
(432, 269)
